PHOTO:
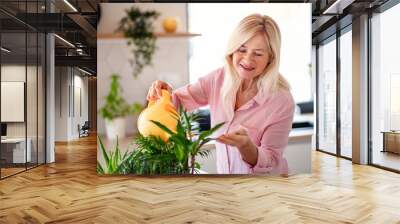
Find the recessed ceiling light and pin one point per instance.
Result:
(84, 71)
(337, 7)
(70, 5)
(5, 50)
(65, 41)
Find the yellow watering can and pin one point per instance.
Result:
(161, 110)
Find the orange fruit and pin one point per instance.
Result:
(170, 24)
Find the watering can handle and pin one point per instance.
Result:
(165, 95)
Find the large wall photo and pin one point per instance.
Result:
(197, 89)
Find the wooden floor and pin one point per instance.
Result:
(10, 171)
(387, 159)
(70, 191)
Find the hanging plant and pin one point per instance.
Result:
(137, 26)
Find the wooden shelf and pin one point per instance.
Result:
(160, 35)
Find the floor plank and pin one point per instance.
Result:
(70, 191)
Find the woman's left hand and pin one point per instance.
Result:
(241, 140)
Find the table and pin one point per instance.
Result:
(13, 150)
(391, 141)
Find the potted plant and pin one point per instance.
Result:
(188, 140)
(154, 156)
(137, 26)
(115, 162)
(115, 109)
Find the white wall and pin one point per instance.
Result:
(67, 79)
(170, 62)
(80, 82)
(61, 103)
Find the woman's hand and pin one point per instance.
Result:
(241, 140)
(155, 89)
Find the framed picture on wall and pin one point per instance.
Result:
(12, 101)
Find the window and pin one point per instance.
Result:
(346, 94)
(22, 74)
(207, 51)
(385, 89)
(327, 96)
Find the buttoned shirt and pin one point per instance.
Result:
(267, 118)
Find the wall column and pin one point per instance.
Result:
(360, 90)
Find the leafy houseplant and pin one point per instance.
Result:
(188, 140)
(155, 156)
(115, 161)
(116, 108)
(137, 26)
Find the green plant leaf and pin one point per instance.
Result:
(99, 168)
(103, 151)
(163, 127)
(117, 152)
(204, 153)
(207, 133)
(158, 157)
(115, 105)
(205, 141)
(137, 26)
(110, 167)
(180, 153)
(136, 108)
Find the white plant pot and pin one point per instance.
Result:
(115, 127)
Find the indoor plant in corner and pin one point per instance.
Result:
(116, 109)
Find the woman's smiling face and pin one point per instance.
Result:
(251, 58)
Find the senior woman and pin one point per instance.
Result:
(249, 95)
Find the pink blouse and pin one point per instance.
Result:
(267, 119)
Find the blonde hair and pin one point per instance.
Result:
(270, 80)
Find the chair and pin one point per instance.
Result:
(84, 130)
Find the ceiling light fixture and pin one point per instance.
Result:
(65, 41)
(79, 51)
(337, 7)
(5, 50)
(84, 71)
(70, 5)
